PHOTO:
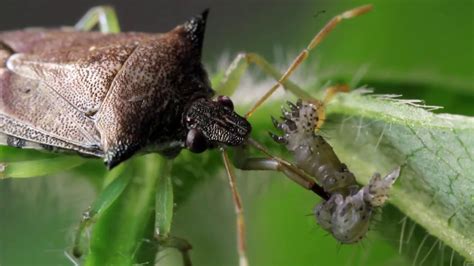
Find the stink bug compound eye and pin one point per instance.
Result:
(347, 213)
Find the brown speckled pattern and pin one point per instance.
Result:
(33, 103)
(103, 94)
(83, 80)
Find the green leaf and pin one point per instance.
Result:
(435, 151)
(164, 203)
(11, 154)
(40, 167)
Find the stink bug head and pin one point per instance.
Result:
(211, 123)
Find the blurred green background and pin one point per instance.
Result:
(421, 49)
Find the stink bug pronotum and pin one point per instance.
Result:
(111, 95)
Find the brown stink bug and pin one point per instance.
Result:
(110, 95)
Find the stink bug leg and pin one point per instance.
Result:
(304, 54)
(242, 61)
(120, 181)
(239, 65)
(104, 16)
(239, 211)
(330, 92)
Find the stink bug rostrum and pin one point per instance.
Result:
(110, 95)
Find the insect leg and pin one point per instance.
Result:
(239, 65)
(121, 179)
(329, 94)
(104, 16)
(180, 244)
(273, 163)
(304, 54)
(164, 216)
(241, 245)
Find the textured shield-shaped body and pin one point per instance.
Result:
(106, 95)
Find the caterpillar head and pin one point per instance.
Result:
(376, 192)
(346, 218)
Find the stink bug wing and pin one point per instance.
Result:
(52, 81)
(78, 66)
(31, 111)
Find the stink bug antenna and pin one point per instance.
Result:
(195, 29)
